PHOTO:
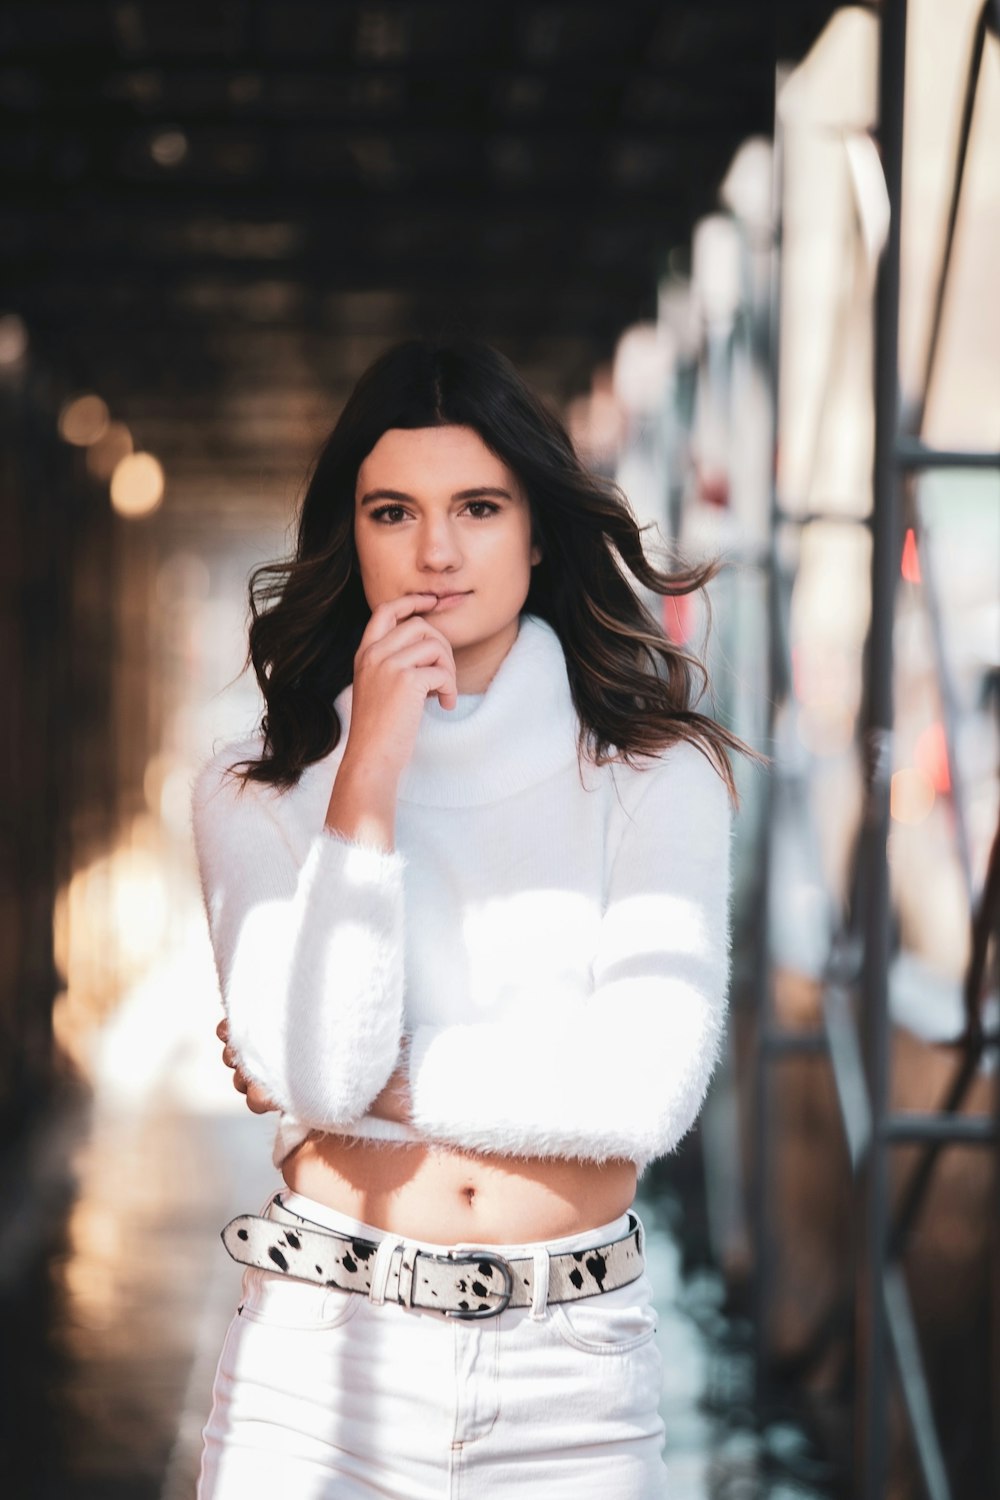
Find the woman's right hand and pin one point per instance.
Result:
(256, 1097)
(401, 660)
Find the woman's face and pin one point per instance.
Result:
(435, 510)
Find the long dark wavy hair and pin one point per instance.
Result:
(634, 689)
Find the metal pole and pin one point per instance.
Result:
(909, 1361)
(914, 454)
(915, 421)
(763, 1196)
(873, 1350)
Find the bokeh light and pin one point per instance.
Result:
(13, 339)
(84, 420)
(168, 148)
(137, 485)
(104, 455)
(911, 795)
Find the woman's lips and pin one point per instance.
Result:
(449, 601)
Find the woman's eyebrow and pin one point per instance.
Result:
(478, 493)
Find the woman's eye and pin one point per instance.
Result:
(388, 514)
(483, 508)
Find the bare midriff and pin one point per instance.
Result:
(439, 1193)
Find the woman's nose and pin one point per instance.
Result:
(437, 545)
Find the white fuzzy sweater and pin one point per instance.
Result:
(548, 947)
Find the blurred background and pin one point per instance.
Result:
(751, 253)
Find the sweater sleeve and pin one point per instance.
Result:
(621, 1071)
(308, 950)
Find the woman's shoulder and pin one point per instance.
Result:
(685, 767)
(225, 803)
(218, 777)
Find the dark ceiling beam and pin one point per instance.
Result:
(558, 133)
(96, 75)
(705, 123)
(277, 299)
(546, 267)
(127, 335)
(278, 200)
(29, 28)
(146, 351)
(501, 227)
(324, 268)
(101, 334)
(383, 159)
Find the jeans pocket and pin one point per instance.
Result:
(612, 1322)
(281, 1301)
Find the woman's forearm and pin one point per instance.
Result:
(292, 927)
(362, 804)
(393, 1103)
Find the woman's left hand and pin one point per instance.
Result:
(257, 1099)
(393, 1103)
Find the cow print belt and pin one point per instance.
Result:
(461, 1283)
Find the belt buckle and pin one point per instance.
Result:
(473, 1258)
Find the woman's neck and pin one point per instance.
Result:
(476, 665)
(521, 729)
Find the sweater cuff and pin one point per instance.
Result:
(358, 860)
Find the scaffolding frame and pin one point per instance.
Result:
(884, 1327)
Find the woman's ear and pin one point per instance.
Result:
(537, 552)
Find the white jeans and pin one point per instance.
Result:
(321, 1395)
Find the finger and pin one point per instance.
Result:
(434, 680)
(240, 1082)
(229, 1057)
(387, 615)
(425, 653)
(258, 1101)
(418, 628)
(222, 1030)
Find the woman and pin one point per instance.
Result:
(468, 893)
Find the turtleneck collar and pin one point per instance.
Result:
(520, 731)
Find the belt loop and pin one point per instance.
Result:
(539, 1283)
(640, 1235)
(380, 1268)
(407, 1275)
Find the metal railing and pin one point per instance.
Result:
(873, 1305)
